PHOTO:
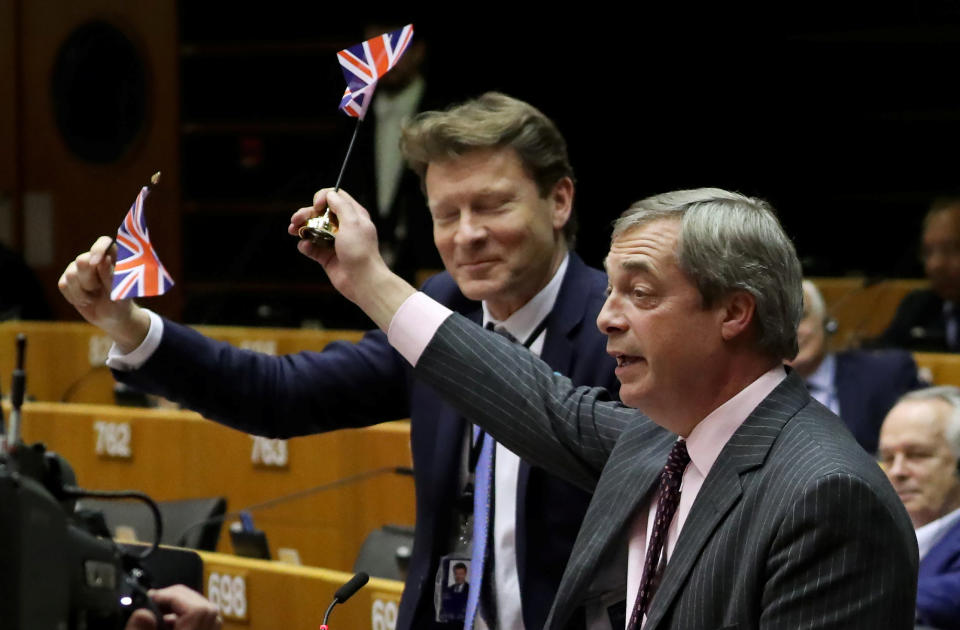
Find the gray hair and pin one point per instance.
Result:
(731, 242)
(950, 395)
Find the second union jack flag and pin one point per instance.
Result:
(364, 64)
(138, 272)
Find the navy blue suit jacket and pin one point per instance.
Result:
(868, 385)
(918, 325)
(938, 588)
(354, 385)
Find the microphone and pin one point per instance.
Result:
(17, 392)
(344, 593)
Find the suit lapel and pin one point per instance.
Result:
(705, 515)
(746, 450)
(449, 429)
(567, 314)
(628, 480)
(557, 352)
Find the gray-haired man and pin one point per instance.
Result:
(920, 451)
(737, 501)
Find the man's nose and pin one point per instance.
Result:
(470, 229)
(898, 466)
(610, 320)
(934, 262)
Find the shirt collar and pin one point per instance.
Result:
(710, 436)
(824, 377)
(525, 320)
(930, 534)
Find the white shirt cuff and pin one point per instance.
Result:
(414, 325)
(134, 359)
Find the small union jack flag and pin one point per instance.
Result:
(138, 272)
(364, 64)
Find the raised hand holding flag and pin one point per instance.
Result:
(363, 65)
(138, 271)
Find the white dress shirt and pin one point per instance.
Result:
(823, 383)
(930, 534)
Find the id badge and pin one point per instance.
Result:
(452, 588)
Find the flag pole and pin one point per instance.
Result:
(343, 167)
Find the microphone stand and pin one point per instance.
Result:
(344, 593)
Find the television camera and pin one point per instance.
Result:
(59, 569)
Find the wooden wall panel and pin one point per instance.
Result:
(90, 199)
(8, 122)
(65, 360)
(862, 312)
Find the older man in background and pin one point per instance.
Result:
(920, 451)
(859, 386)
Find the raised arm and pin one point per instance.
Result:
(498, 385)
(347, 385)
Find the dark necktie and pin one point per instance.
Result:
(670, 478)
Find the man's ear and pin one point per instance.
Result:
(562, 198)
(738, 311)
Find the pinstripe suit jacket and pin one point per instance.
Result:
(794, 527)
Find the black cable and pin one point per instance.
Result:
(78, 493)
(71, 388)
(400, 470)
(326, 615)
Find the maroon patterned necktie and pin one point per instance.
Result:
(667, 503)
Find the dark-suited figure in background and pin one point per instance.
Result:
(782, 519)
(859, 386)
(380, 178)
(500, 190)
(21, 296)
(920, 452)
(928, 320)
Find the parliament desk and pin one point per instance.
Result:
(261, 595)
(939, 368)
(862, 311)
(65, 360)
(178, 455)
